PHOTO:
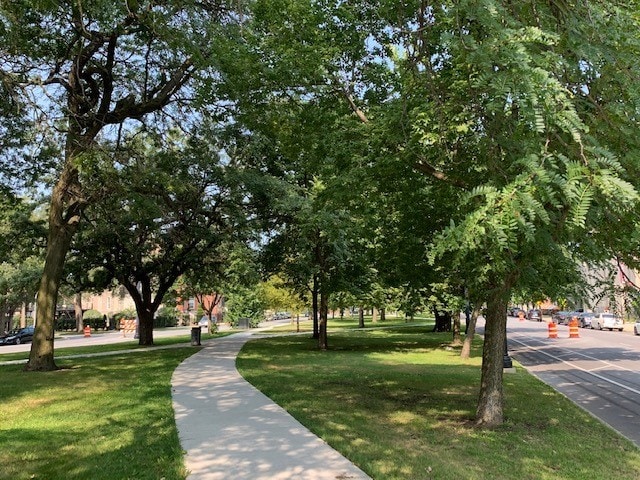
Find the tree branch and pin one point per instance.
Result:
(431, 171)
(352, 104)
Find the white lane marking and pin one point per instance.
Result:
(569, 351)
(588, 372)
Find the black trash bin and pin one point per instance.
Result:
(196, 335)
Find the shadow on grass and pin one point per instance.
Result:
(401, 404)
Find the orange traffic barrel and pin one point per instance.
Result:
(87, 331)
(573, 328)
(553, 330)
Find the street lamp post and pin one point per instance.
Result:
(506, 359)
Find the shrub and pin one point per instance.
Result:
(95, 319)
(166, 317)
(65, 321)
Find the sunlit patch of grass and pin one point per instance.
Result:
(400, 403)
(107, 417)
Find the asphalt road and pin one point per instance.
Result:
(600, 370)
(97, 338)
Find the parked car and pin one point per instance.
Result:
(607, 320)
(534, 315)
(560, 317)
(585, 319)
(17, 337)
(569, 316)
(513, 311)
(636, 328)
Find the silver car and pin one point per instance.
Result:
(585, 319)
(607, 320)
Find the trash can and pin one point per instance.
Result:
(196, 335)
(244, 323)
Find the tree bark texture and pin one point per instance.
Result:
(490, 405)
(457, 336)
(360, 317)
(145, 327)
(64, 215)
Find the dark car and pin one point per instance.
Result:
(17, 337)
(513, 311)
(575, 314)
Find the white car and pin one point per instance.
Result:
(607, 320)
(636, 328)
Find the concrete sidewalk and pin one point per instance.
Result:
(230, 430)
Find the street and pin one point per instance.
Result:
(97, 338)
(600, 370)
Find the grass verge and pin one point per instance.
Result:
(113, 347)
(305, 324)
(95, 418)
(400, 404)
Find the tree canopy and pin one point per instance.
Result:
(460, 150)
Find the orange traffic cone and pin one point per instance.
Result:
(553, 330)
(573, 328)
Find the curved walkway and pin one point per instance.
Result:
(231, 431)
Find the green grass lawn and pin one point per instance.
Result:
(95, 418)
(397, 401)
(348, 322)
(400, 403)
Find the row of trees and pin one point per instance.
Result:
(460, 151)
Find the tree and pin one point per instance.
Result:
(170, 209)
(504, 110)
(245, 299)
(21, 246)
(279, 297)
(205, 285)
(97, 69)
(499, 127)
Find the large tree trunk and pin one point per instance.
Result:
(67, 203)
(360, 317)
(145, 307)
(41, 354)
(323, 343)
(490, 404)
(145, 326)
